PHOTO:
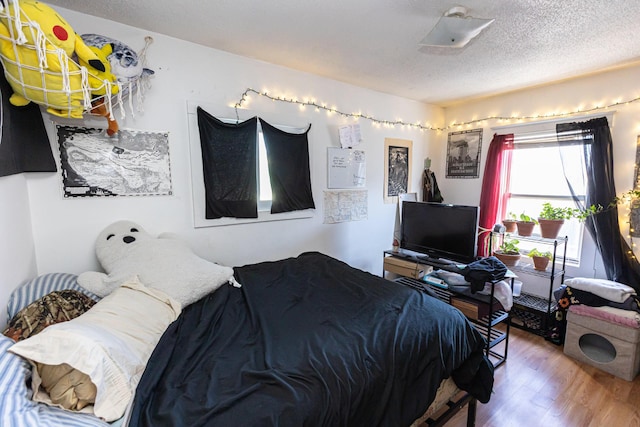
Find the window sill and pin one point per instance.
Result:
(263, 216)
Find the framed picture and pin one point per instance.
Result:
(397, 168)
(463, 154)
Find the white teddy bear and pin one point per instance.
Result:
(166, 263)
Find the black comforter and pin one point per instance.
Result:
(308, 341)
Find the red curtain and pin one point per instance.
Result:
(495, 184)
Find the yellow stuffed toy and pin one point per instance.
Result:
(43, 69)
(100, 82)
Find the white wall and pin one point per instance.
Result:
(64, 229)
(17, 252)
(580, 93)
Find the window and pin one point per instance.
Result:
(264, 184)
(537, 176)
(263, 187)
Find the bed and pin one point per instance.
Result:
(307, 340)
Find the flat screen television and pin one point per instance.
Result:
(441, 232)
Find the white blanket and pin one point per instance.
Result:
(607, 289)
(502, 292)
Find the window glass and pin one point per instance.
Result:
(538, 170)
(264, 184)
(537, 177)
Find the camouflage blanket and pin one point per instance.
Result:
(55, 307)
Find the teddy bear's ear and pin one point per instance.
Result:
(97, 64)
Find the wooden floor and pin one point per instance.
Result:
(540, 386)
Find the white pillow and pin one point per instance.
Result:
(16, 406)
(111, 343)
(607, 289)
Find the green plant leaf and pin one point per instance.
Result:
(553, 212)
(526, 218)
(510, 246)
(535, 252)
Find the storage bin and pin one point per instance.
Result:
(406, 268)
(608, 346)
(473, 309)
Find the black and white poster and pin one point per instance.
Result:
(130, 163)
(463, 154)
(397, 168)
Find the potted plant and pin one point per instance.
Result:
(551, 219)
(540, 259)
(509, 252)
(525, 225)
(510, 222)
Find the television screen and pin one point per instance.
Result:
(440, 230)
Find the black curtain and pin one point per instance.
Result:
(289, 173)
(229, 156)
(24, 144)
(595, 136)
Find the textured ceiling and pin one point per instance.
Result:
(374, 43)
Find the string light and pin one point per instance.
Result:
(418, 125)
(459, 125)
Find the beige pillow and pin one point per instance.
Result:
(67, 386)
(110, 343)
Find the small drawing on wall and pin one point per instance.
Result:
(397, 168)
(463, 154)
(131, 163)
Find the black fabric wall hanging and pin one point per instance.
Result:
(619, 261)
(289, 173)
(229, 155)
(24, 144)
